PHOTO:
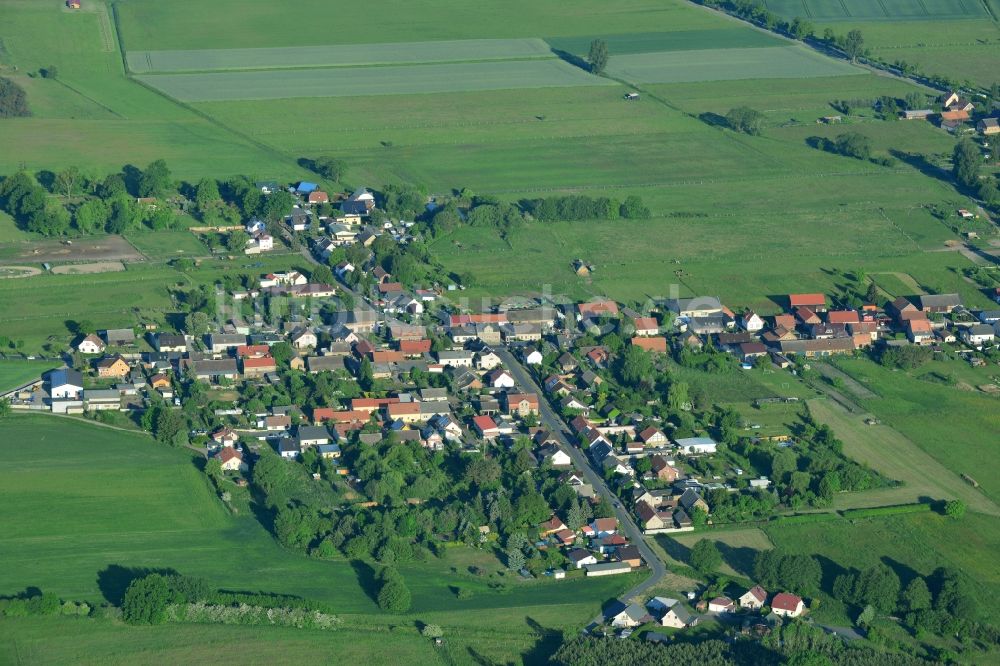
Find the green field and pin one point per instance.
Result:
(340, 55)
(680, 40)
(910, 544)
(15, 373)
(894, 456)
(168, 244)
(912, 403)
(781, 62)
(884, 10)
(126, 502)
(151, 25)
(358, 81)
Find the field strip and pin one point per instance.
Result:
(336, 55)
(891, 454)
(360, 81)
(727, 64)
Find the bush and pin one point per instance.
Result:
(146, 600)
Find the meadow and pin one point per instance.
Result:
(127, 503)
(388, 80)
(339, 55)
(891, 10)
(14, 373)
(781, 62)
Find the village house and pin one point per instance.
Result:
(787, 605)
(307, 436)
(721, 605)
(700, 306)
(632, 615)
(646, 326)
(978, 335)
(751, 322)
(91, 345)
(231, 459)
(223, 342)
(487, 359)
(581, 558)
(499, 378)
(114, 366)
(456, 359)
(754, 598)
(814, 302)
(117, 337)
(657, 344)
(258, 366)
(678, 617)
(486, 427)
(653, 438)
(521, 404)
(166, 342)
(224, 436)
(696, 445)
(939, 303)
(555, 456)
(303, 338)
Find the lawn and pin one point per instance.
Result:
(964, 442)
(738, 547)
(781, 62)
(129, 503)
(168, 244)
(340, 55)
(14, 373)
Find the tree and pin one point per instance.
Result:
(633, 208)
(965, 162)
(4, 407)
(237, 240)
(955, 508)
(431, 631)
(155, 180)
(196, 323)
(207, 194)
(146, 600)
(67, 180)
(854, 44)
(13, 100)
(878, 586)
(515, 559)
(322, 275)
(393, 596)
(746, 120)
(329, 168)
(91, 216)
(598, 56)
(705, 556)
(916, 596)
(800, 29)
(49, 72)
(853, 144)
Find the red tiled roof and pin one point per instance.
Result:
(809, 300)
(414, 346)
(597, 308)
(786, 602)
(842, 317)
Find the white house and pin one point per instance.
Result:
(678, 617)
(721, 605)
(751, 321)
(754, 598)
(501, 379)
(533, 357)
(487, 360)
(979, 334)
(91, 345)
(303, 338)
(556, 456)
(632, 615)
(231, 459)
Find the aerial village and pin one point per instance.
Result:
(574, 387)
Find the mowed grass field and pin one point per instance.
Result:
(913, 403)
(335, 55)
(958, 39)
(94, 118)
(894, 456)
(781, 62)
(388, 80)
(14, 373)
(84, 505)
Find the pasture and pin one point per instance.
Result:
(335, 55)
(168, 244)
(151, 25)
(780, 62)
(128, 503)
(913, 402)
(738, 547)
(910, 544)
(680, 40)
(884, 10)
(388, 80)
(894, 456)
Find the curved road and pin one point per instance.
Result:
(551, 420)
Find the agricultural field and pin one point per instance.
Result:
(896, 457)
(910, 544)
(120, 494)
(14, 373)
(388, 80)
(912, 403)
(782, 62)
(340, 55)
(168, 244)
(957, 39)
